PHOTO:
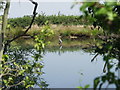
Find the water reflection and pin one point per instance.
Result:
(60, 48)
(72, 69)
(66, 66)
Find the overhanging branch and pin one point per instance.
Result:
(34, 15)
(33, 18)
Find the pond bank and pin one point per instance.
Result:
(66, 31)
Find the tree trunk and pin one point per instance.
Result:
(3, 29)
(1, 49)
(4, 19)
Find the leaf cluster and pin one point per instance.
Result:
(105, 15)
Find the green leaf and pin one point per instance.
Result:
(21, 72)
(101, 11)
(96, 82)
(87, 86)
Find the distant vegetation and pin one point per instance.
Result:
(20, 22)
(53, 19)
(66, 26)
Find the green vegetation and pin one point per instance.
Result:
(106, 15)
(20, 22)
(66, 26)
(73, 32)
(53, 19)
(19, 71)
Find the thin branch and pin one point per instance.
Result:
(7, 74)
(15, 84)
(104, 68)
(33, 18)
(94, 57)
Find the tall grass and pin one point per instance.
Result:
(70, 31)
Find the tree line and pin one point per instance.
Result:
(52, 19)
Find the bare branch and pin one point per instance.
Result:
(33, 18)
(94, 57)
(105, 65)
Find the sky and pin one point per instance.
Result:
(19, 9)
(47, 0)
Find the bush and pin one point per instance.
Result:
(20, 22)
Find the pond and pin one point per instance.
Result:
(71, 69)
(69, 65)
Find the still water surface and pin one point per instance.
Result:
(71, 69)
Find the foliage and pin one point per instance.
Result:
(60, 19)
(41, 39)
(83, 88)
(13, 32)
(82, 32)
(20, 72)
(53, 19)
(20, 22)
(110, 52)
(106, 15)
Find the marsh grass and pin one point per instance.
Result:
(11, 33)
(78, 31)
(71, 31)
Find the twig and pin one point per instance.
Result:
(94, 57)
(7, 74)
(104, 70)
(16, 84)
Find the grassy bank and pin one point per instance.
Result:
(67, 32)
(68, 27)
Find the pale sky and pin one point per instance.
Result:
(66, 0)
(46, 0)
(19, 9)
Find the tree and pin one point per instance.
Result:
(18, 72)
(3, 27)
(107, 16)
